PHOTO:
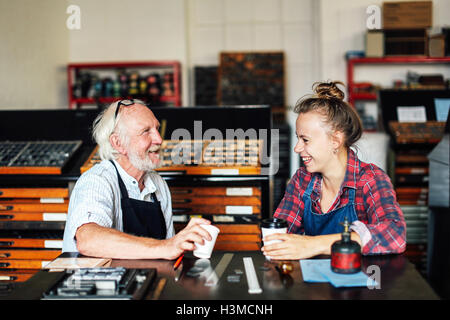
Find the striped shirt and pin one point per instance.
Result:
(96, 198)
(381, 225)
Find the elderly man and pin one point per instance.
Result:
(121, 208)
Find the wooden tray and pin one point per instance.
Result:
(200, 165)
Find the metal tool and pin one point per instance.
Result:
(252, 280)
(159, 288)
(214, 277)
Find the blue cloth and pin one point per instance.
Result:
(330, 222)
(319, 270)
(311, 270)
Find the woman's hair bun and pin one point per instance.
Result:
(328, 90)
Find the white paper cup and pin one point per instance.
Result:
(204, 251)
(266, 232)
(271, 226)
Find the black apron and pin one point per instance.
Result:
(141, 218)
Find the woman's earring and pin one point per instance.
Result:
(335, 151)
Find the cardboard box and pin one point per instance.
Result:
(374, 44)
(407, 15)
(436, 46)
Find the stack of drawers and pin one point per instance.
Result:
(27, 242)
(234, 210)
(414, 141)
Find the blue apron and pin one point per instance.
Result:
(330, 222)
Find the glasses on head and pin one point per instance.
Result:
(126, 103)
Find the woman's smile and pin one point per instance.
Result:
(306, 160)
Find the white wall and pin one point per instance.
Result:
(258, 25)
(33, 54)
(136, 30)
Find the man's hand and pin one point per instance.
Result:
(96, 241)
(184, 240)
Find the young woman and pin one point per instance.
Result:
(333, 185)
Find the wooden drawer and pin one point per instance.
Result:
(182, 192)
(214, 170)
(238, 238)
(29, 254)
(16, 275)
(216, 200)
(229, 228)
(29, 206)
(215, 209)
(33, 216)
(211, 201)
(23, 263)
(31, 243)
(34, 193)
(239, 228)
(237, 246)
(13, 201)
(30, 170)
(235, 237)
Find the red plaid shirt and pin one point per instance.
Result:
(375, 204)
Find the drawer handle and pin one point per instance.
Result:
(6, 243)
(6, 208)
(181, 191)
(5, 255)
(181, 200)
(4, 264)
(6, 217)
(181, 210)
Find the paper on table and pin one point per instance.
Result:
(319, 270)
(411, 114)
(75, 263)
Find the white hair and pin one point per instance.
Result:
(104, 125)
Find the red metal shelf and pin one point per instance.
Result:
(398, 59)
(168, 64)
(112, 99)
(352, 96)
(364, 96)
(111, 65)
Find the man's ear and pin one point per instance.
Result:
(116, 143)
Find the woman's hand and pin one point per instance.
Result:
(292, 247)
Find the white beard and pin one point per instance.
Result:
(143, 163)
